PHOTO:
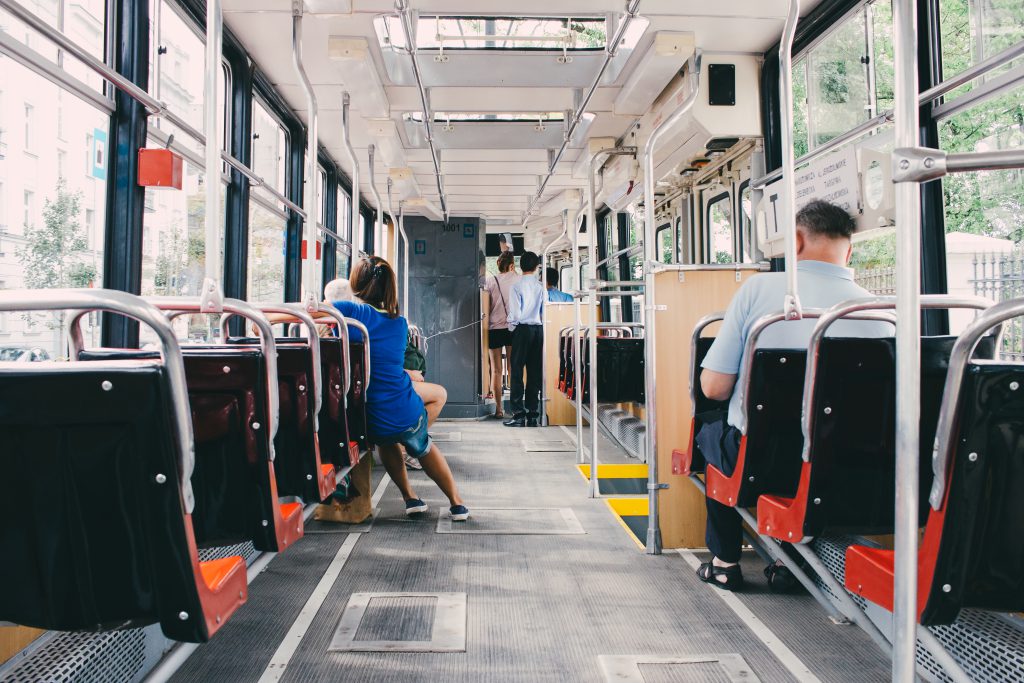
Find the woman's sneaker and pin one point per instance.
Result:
(460, 513)
(415, 506)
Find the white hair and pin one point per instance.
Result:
(338, 290)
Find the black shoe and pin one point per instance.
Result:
(532, 422)
(733, 575)
(515, 422)
(780, 579)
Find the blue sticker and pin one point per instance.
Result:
(98, 165)
(421, 247)
(468, 230)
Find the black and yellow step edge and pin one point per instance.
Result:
(622, 479)
(632, 514)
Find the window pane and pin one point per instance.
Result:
(973, 30)
(884, 55)
(800, 143)
(746, 207)
(266, 254)
(52, 202)
(837, 82)
(269, 146)
(665, 245)
(720, 230)
(985, 210)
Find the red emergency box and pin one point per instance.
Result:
(159, 168)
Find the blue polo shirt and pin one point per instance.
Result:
(392, 406)
(557, 296)
(821, 285)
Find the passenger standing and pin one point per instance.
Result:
(823, 244)
(526, 306)
(555, 295)
(395, 413)
(499, 337)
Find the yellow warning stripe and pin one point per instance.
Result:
(615, 471)
(628, 507)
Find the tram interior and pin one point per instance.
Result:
(191, 487)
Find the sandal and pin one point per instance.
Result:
(780, 579)
(709, 573)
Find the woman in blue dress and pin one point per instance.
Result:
(394, 412)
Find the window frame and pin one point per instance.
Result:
(709, 256)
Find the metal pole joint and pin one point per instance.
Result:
(917, 164)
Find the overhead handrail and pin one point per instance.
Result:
(596, 160)
(791, 304)
(405, 15)
(653, 545)
(845, 311)
(81, 302)
(355, 234)
(945, 444)
(611, 49)
(378, 222)
(310, 298)
(176, 306)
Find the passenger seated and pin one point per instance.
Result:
(555, 295)
(396, 414)
(823, 243)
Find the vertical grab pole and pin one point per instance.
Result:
(394, 244)
(543, 418)
(310, 298)
(405, 258)
(212, 298)
(378, 223)
(577, 318)
(355, 235)
(791, 305)
(908, 349)
(650, 309)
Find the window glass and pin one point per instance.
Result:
(664, 240)
(882, 55)
(344, 215)
(52, 201)
(984, 211)
(266, 254)
(837, 89)
(746, 227)
(973, 30)
(721, 237)
(269, 146)
(80, 20)
(800, 141)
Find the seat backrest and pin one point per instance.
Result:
(976, 541)
(357, 395)
(296, 463)
(94, 535)
(620, 370)
(774, 437)
(704, 409)
(334, 432)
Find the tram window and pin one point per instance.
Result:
(266, 254)
(178, 55)
(51, 224)
(720, 232)
(636, 261)
(972, 31)
(664, 240)
(984, 211)
(82, 21)
(746, 228)
(269, 146)
(344, 222)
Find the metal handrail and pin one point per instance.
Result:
(639, 246)
(378, 222)
(612, 49)
(354, 232)
(176, 306)
(653, 546)
(346, 353)
(542, 274)
(405, 16)
(844, 310)
(791, 303)
(211, 295)
(82, 301)
(701, 325)
(310, 298)
(963, 349)
(352, 322)
(313, 339)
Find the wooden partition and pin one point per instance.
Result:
(14, 639)
(556, 317)
(688, 296)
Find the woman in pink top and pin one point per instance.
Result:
(498, 334)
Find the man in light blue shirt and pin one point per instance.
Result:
(823, 250)
(555, 295)
(525, 308)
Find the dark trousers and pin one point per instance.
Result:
(719, 442)
(528, 353)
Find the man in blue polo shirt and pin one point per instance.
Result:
(823, 233)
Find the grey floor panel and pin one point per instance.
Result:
(398, 618)
(540, 607)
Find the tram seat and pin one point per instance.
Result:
(565, 364)
(357, 396)
(620, 370)
(337, 450)
(95, 536)
(972, 552)
(847, 485)
(300, 472)
(769, 452)
(691, 460)
(234, 479)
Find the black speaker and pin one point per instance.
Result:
(722, 85)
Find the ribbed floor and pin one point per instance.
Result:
(540, 607)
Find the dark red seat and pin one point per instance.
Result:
(337, 450)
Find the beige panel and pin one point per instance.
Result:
(14, 639)
(681, 505)
(557, 316)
